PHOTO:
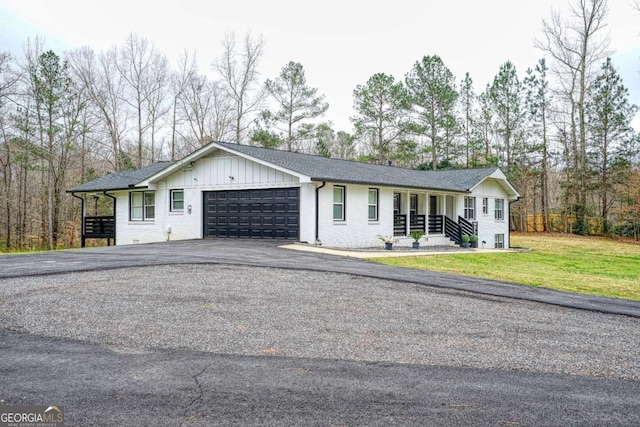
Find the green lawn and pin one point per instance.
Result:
(588, 265)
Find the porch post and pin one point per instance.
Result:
(115, 223)
(407, 209)
(83, 208)
(427, 213)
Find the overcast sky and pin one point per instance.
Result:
(339, 44)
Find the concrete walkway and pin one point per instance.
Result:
(398, 252)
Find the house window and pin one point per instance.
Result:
(143, 205)
(499, 241)
(338, 203)
(485, 206)
(469, 208)
(176, 201)
(373, 204)
(499, 209)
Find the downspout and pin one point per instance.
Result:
(82, 241)
(318, 242)
(114, 216)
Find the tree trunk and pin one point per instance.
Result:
(50, 188)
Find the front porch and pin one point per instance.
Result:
(438, 225)
(410, 216)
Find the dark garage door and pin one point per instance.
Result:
(260, 214)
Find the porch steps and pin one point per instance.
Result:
(438, 241)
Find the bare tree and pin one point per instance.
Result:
(105, 89)
(202, 109)
(156, 104)
(179, 80)
(238, 69)
(221, 121)
(145, 71)
(207, 110)
(8, 81)
(575, 46)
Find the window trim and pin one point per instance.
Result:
(498, 241)
(375, 205)
(143, 206)
(342, 203)
(498, 214)
(172, 201)
(470, 211)
(485, 206)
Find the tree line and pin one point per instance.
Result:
(561, 130)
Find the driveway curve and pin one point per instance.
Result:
(273, 254)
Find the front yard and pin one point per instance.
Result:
(587, 265)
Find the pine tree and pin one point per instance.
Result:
(297, 104)
(432, 90)
(380, 107)
(609, 116)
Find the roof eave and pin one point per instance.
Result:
(186, 161)
(198, 154)
(498, 175)
(101, 190)
(302, 177)
(386, 184)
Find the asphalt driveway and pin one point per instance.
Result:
(270, 254)
(248, 333)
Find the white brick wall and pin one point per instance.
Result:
(356, 231)
(488, 226)
(130, 232)
(308, 212)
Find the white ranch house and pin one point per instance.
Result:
(227, 191)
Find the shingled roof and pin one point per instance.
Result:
(335, 170)
(315, 168)
(120, 180)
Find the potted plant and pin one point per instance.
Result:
(473, 241)
(388, 241)
(464, 241)
(416, 235)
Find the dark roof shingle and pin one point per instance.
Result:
(120, 180)
(318, 169)
(336, 170)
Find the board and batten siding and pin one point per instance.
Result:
(228, 170)
(206, 174)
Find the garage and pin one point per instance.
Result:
(258, 214)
